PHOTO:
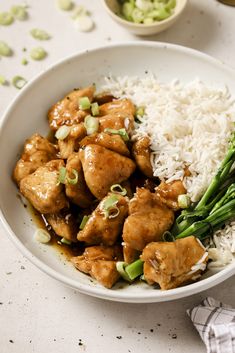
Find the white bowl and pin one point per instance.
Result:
(27, 114)
(113, 8)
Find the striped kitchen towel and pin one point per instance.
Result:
(215, 323)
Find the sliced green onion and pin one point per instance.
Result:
(84, 222)
(140, 111)
(184, 201)
(84, 23)
(19, 12)
(72, 181)
(42, 236)
(122, 132)
(19, 82)
(2, 80)
(118, 189)
(127, 10)
(170, 5)
(39, 34)
(62, 132)
(65, 5)
(120, 266)
(62, 175)
(91, 124)
(24, 61)
(79, 11)
(5, 50)
(38, 53)
(113, 212)
(109, 204)
(84, 103)
(135, 269)
(65, 241)
(6, 18)
(95, 109)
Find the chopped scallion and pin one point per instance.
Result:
(62, 175)
(122, 132)
(140, 111)
(109, 205)
(5, 50)
(65, 241)
(84, 222)
(95, 109)
(184, 201)
(120, 266)
(6, 18)
(65, 5)
(135, 269)
(84, 103)
(2, 80)
(72, 181)
(118, 189)
(19, 82)
(19, 12)
(84, 23)
(91, 124)
(62, 132)
(42, 236)
(38, 53)
(39, 34)
(24, 61)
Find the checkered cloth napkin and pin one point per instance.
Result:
(215, 323)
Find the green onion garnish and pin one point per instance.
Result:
(122, 132)
(39, 34)
(135, 269)
(109, 206)
(118, 189)
(6, 18)
(62, 132)
(120, 266)
(140, 111)
(84, 103)
(2, 80)
(75, 179)
(65, 241)
(42, 236)
(65, 5)
(38, 53)
(5, 50)
(84, 222)
(91, 124)
(19, 12)
(184, 201)
(24, 61)
(95, 109)
(62, 175)
(19, 82)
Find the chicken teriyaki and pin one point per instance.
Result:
(94, 187)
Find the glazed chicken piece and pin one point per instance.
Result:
(174, 263)
(117, 121)
(42, 190)
(111, 142)
(71, 143)
(37, 151)
(141, 152)
(102, 168)
(66, 111)
(129, 254)
(147, 221)
(100, 229)
(118, 105)
(78, 193)
(64, 224)
(100, 263)
(168, 193)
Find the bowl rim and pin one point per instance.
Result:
(99, 292)
(142, 25)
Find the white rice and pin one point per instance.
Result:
(189, 126)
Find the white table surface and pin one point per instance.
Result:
(37, 314)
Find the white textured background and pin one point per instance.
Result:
(40, 315)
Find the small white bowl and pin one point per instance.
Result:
(113, 8)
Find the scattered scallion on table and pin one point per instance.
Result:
(2, 80)
(5, 50)
(39, 34)
(19, 82)
(6, 18)
(19, 12)
(38, 53)
(65, 5)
